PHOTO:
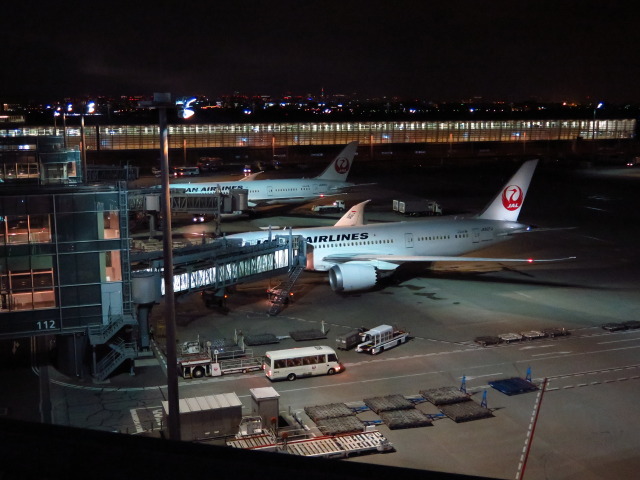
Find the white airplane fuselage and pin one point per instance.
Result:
(433, 237)
(270, 192)
(357, 255)
(287, 190)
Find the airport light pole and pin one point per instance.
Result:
(83, 148)
(64, 130)
(87, 109)
(162, 101)
(593, 132)
(56, 114)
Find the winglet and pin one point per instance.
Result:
(354, 217)
(508, 203)
(338, 170)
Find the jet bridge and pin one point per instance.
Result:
(148, 200)
(216, 265)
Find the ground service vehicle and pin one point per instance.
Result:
(205, 366)
(209, 164)
(197, 362)
(532, 334)
(335, 207)
(381, 338)
(348, 340)
(185, 171)
(417, 207)
(614, 327)
(510, 337)
(301, 362)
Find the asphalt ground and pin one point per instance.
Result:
(587, 426)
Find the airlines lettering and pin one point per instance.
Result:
(344, 237)
(224, 188)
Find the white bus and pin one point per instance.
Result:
(301, 362)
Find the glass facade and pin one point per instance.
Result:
(42, 158)
(61, 261)
(143, 137)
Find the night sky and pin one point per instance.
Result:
(574, 50)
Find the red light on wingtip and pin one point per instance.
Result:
(530, 260)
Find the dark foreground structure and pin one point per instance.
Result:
(32, 451)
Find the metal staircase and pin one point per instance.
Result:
(120, 351)
(279, 295)
(101, 334)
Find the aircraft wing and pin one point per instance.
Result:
(534, 229)
(250, 177)
(398, 259)
(353, 185)
(322, 195)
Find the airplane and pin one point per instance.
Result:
(356, 256)
(285, 191)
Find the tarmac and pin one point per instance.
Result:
(587, 426)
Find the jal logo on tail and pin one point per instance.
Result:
(342, 165)
(512, 197)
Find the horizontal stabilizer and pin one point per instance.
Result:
(363, 257)
(250, 177)
(352, 186)
(541, 229)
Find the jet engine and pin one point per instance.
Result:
(352, 277)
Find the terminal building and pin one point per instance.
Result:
(442, 137)
(63, 264)
(68, 276)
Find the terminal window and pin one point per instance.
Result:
(17, 229)
(26, 290)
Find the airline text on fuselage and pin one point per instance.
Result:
(211, 189)
(341, 237)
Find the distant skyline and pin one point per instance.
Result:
(574, 50)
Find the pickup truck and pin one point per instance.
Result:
(335, 207)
